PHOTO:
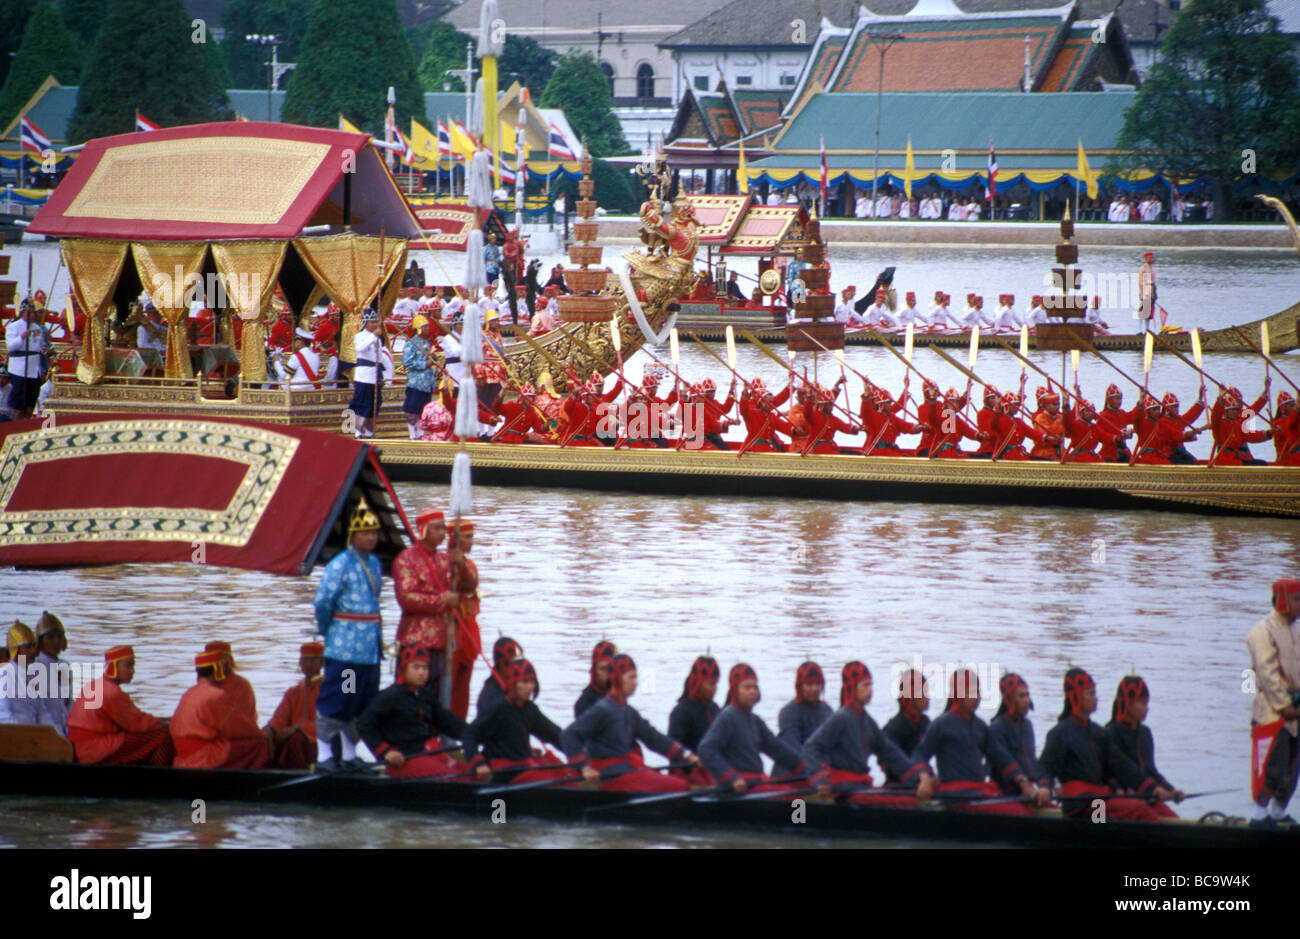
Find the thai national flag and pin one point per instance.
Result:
(825, 171)
(993, 170)
(408, 151)
(444, 140)
(143, 123)
(33, 138)
(558, 147)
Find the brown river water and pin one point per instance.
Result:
(767, 581)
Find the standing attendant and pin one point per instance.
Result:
(800, 718)
(419, 357)
(27, 343)
(1274, 645)
(1127, 713)
(1147, 292)
(603, 740)
(105, 726)
(422, 582)
(348, 615)
(731, 749)
(368, 375)
(464, 581)
(293, 725)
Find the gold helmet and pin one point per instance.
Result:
(363, 519)
(20, 634)
(49, 623)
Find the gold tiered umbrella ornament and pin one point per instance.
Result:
(590, 302)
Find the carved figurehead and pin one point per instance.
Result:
(676, 236)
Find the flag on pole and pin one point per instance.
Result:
(462, 143)
(33, 138)
(409, 156)
(1085, 172)
(143, 123)
(423, 143)
(742, 178)
(346, 125)
(558, 147)
(825, 172)
(444, 140)
(993, 171)
(909, 170)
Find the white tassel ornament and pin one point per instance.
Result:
(491, 41)
(462, 498)
(467, 410)
(476, 115)
(471, 335)
(479, 187)
(475, 268)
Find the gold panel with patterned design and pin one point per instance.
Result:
(224, 180)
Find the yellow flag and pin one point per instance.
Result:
(345, 124)
(742, 178)
(1085, 172)
(507, 138)
(909, 171)
(424, 143)
(462, 144)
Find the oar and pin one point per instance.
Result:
(690, 794)
(312, 777)
(1186, 361)
(1095, 351)
(777, 359)
(973, 377)
(542, 783)
(560, 369)
(1264, 355)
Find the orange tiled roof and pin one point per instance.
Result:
(984, 59)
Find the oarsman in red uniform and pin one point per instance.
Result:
(1084, 759)
(731, 748)
(503, 732)
(523, 422)
(105, 726)
(1177, 428)
(804, 401)
(1286, 430)
(929, 415)
(1230, 434)
(1014, 732)
(882, 425)
(967, 753)
(1219, 409)
(823, 424)
(952, 428)
(1112, 427)
(763, 422)
(1132, 699)
(293, 725)
(603, 740)
(836, 754)
(584, 412)
(211, 728)
(1146, 431)
(1081, 426)
(602, 655)
(1050, 424)
(715, 412)
(988, 420)
(1275, 712)
(237, 686)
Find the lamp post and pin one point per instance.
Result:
(884, 40)
(273, 66)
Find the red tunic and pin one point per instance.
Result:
(882, 427)
(1109, 430)
(577, 417)
(1286, 438)
(1083, 439)
(241, 691)
(99, 734)
(420, 582)
(822, 426)
(298, 708)
(520, 420)
(930, 413)
(761, 428)
(212, 731)
(948, 444)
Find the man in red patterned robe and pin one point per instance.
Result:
(421, 580)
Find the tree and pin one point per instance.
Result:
(147, 57)
(580, 89)
(49, 48)
(13, 20)
(84, 17)
(615, 188)
(1221, 101)
(280, 18)
(445, 51)
(533, 63)
(352, 52)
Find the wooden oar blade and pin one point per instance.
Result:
(907, 344)
(1024, 341)
(1148, 349)
(1263, 340)
(1196, 347)
(731, 347)
(974, 345)
(676, 352)
(615, 335)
